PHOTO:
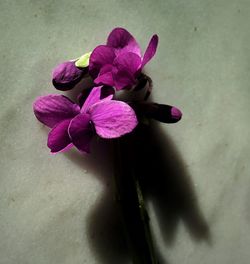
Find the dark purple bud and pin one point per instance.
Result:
(159, 112)
(66, 75)
(176, 113)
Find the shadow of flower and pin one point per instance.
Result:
(165, 182)
(105, 231)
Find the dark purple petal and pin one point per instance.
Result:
(123, 41)
(126, 67)
(105, 76)
(128, 61)
(105, 79)
(54, 108)
(58, 138)
(123, 79)
(150, 51)
(100, 56)
(94, 97)
(81, 132)
(66, 75)
(112, 119)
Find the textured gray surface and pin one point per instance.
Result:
(59, 209)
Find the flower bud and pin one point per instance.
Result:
(66, 75)
(159, 112)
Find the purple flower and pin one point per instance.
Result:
(66, 75)
(120, 61)
(72, 125)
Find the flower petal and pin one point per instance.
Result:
(150, 51)
(54, 108)
(123, 79)
(66, 75)
(123, 41)
(105, 79)
(94, 97)
(58, 138)
(105, 76)
(128, 61)
(126, 67)
(80, 132)
(100, 56)
(112, 119)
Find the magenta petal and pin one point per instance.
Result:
(112, 119)
(100, 56)
(58, 138)
(81, 132)
(105, 76)
(66, 75)
(105, 79)
(94, 97)
(123, 41)
(54, 108)
(128, 61)
(126, 66)
(123, 79)
(150, 51)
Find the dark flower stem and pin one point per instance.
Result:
(131, 204)
(144, 81)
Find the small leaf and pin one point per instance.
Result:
(83, 61)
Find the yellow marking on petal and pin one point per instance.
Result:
(83, 61)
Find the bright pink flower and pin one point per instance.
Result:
(119, 62)
(72, 125)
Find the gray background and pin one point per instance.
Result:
(60, 209)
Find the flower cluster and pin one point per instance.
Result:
(115, 66)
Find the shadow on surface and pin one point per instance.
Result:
(165, 182)
(105, 231)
